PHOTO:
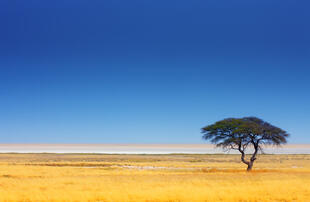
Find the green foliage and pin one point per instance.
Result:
(238, 133)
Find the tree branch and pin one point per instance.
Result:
(243, 155)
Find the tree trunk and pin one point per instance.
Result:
(251, 161)
(250, 165)
(253, 158)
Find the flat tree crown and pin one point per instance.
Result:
(235, 131)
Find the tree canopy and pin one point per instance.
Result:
(241, 133)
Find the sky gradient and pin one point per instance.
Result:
(150, 71)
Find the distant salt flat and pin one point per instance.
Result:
(140, 148)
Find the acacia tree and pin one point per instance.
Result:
(244, 133)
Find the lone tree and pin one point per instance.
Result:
(243, 133)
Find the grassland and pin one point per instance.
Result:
(121, 178)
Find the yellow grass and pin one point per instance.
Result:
(86, 177)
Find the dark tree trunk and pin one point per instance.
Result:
(245, 161)
(253, 158)
(250, 165)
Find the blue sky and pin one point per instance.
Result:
(150, 71)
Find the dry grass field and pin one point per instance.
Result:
(121, 178)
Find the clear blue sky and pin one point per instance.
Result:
(150, 71)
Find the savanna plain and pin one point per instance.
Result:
(173, 177)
